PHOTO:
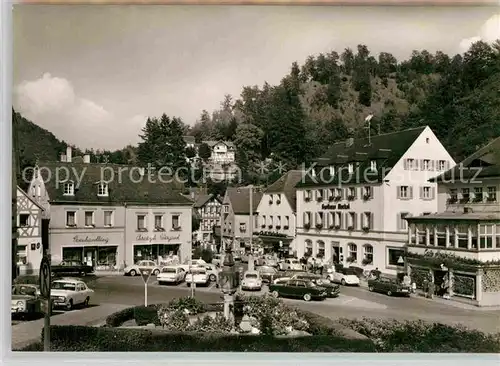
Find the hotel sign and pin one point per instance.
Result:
(157, 237)
(340, 206)
(90, 239)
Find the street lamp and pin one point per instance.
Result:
(229, 283)
(250, 257)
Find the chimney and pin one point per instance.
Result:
(63, 158)
(68, 154)
(86, 159)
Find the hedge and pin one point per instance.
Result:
(101, 339)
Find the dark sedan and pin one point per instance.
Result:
(71, 268)
(300, 289)
(388, 286)
(332, 289)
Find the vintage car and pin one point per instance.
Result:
(251, 281)
(25, 300)
(344, 276)
(171, 275)
(68, 293)
(218, 259)
(198, 276)
(267, 273)
(389, 286)
(270, 261)
(290, 264)
(306, 290)
(212, 271)
(332, 289)
(134, 270)
(71, 268)
(192, 263)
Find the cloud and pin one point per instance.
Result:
(52, 103)
(489, 32)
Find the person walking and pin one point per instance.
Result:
(432, 289)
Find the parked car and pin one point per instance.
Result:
(267, 273)
(332, 289)
(290, 264)
(171, 275)
(25, 300)
(388, 286)
(134, 270)
(306, 290)
(212, 271)
(192, 263)
(218, 259)
(270, 261)
(197, 275)
(344, 276)
(251, 281)
(68, 293)
(71, 268)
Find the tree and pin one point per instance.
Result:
(190, 152)
(204, 152)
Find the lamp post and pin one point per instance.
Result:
(250, 257)
(229, 282)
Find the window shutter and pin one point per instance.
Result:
(405, 164)
(433, 165)
(421, 192)
(399, 221)
(416, 164)
(447, 165)
(355, 192)
(354, 220)
(372, 221)
(422, 164)
(433, 192)
(398, 189)
(304, 218)
(410, 192)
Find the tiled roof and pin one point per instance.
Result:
(126, 187)
(386, 149)
(485, 162)
(240, 199)
(286, 185)
(213, 143)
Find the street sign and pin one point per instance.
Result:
(45, 278)
(145, 273)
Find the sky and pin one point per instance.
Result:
(92, 74)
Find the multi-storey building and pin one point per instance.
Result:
(236, 221)
(29, 230)
(223, 152)
(462, 240)
(277, 214)
(110, 215)
(351, 207)
(207, 208)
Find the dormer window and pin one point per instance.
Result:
(350, 168)
(102, 189)
(373, 166)
(69, 188)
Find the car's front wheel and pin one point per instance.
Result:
(389, 293)
(155, 272)
(133, 273)
(343, 282)
(370, 288)
(275, 294)
(213, 278)
(86, 302)
(69, 305)
(307, 297)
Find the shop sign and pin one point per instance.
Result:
(157, 237)
(90, 239)
(340, 206)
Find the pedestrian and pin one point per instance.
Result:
(413, 287)
(376, 273)
(432, 288)
(406, 280)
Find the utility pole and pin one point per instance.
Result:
(250, 257)
(15, 171)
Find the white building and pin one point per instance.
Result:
(351, 209)
(207, 208)
(464, 235)
(277, 214)
(29, 230)
(223, 152)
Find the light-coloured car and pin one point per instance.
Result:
(68, 293)
(25, 300)
(134, 270)
(344, 276)
(251, 281)
(270, 261)
(197, 275)
(171, 275)
(218, 259)
(212, 271)
(290, 264)
(192, 263)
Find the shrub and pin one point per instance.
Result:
(192, 304)
(206, 254)
(27, 280)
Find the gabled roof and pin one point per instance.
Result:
(203, 199)
(286, 185)
(212, 143)
(31, 199)
(189, 139)
(239, 197)
(126, 185)
(386, 149)
(484, 163)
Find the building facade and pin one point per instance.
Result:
(351, 207)
(29, 231)
(461, 242)
(277, 215)
(109, 215)
(223, 152)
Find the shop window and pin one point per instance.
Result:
(395, 257)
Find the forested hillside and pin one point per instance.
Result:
(324, 100)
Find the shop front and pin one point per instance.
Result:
(276, 243)
(157, 247)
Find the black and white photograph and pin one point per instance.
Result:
(225, 178)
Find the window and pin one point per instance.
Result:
(465, 195)
(352, 193)
(108, 218)
(226, 208)
(89, 218)
(368, 253)
(452, 236)
(338, 194)
(71, 218)
(278, 222)
(411, 164)
(463, 236)
(426, 164)
(338, 219)
(278, 199)
(141, 222)
(351, 220)
(321, 249)
(373, 166)
(24, 220)
(492, 194)
(421, 234)
(69, 189)
(270, 222)
(440, 236)
(287, 222)
(307, 196)
(270, 199)
(453, 195)
(478, 194)
(319, 195)
(102, 189)
(309, 247)
(352, 250)
(486, 236)
(350, 168)
(319, 220)
(367, 220)
(263, 225)
(331, 194)
(395, 257)
(402, 223)
(176, 222)
(405, 192)
(441, 165)
(367, 192)
(159, 223)
(427, 193)
(307, 220)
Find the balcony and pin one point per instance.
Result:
(472, 254)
